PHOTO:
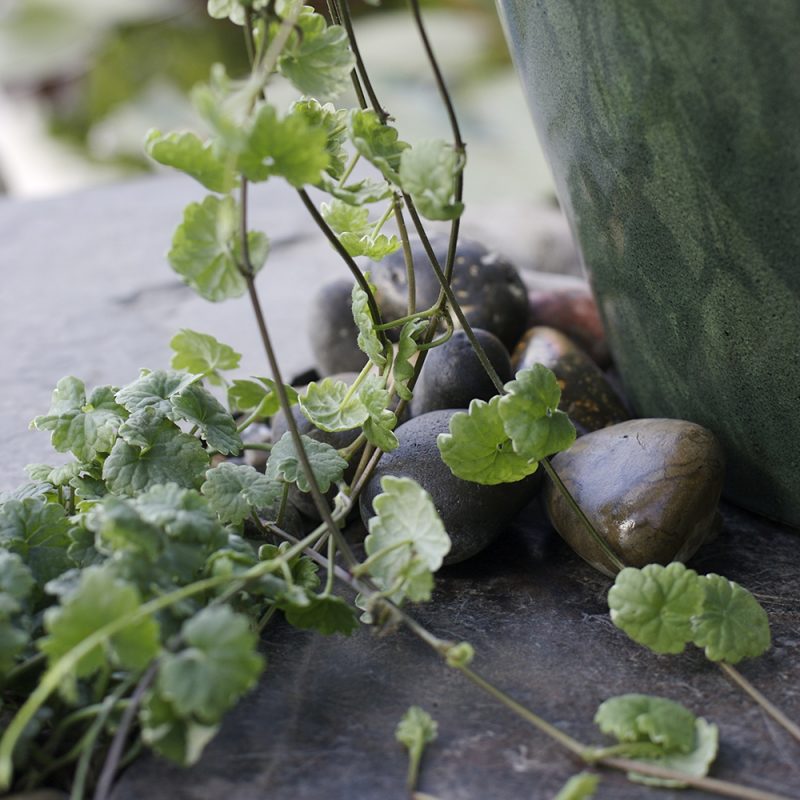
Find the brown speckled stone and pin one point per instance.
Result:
(650, 487)
(586, 396)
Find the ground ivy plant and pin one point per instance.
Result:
(137, 577)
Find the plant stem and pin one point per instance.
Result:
(265, 446)
(769, 707)
(248, 421)
(408, 256)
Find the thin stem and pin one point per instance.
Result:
(350, 167)
(408, 255)
(23, 667)
(265, 618)
(396, 323)
(265, 446)
(249, 420)
(769, 707)
(331, 559)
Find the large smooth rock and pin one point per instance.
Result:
(651, 488)
(473, 515)
(332, 331)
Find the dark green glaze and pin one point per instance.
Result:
(673, 131)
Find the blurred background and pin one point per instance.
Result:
(81, 82)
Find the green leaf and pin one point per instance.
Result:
(16, 583)
(477, 448)
(235, 491)
(326, 463)
(99, 600)
(325, 613)
(331, 406)
(531, 417)
(416, 729)
(201, 354)
(225, 105)
(260, 394)
(378, 143)
(428, 172)
(162, 454)
(641, 717)
(579, 787)
(334, 123)
(368, 340)
(357, 193)
(342, 217)
(154, 390)
(407, 540)
(197, 405)
(381, 423)
(655, 605)
(232, 9)
(171, 735)
(375, 246)
(732, 624)
(288, 147)
(206, 249)
(318, 63)
(119, 527)
(83, 426)
(218, 664)
(696, 763)
(185, 152)
(407, 348)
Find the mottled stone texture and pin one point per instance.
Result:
(673, 132)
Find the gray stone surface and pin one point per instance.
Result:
(86, 290)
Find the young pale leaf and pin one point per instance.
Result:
(378, 143)
(162, 454)
(233, 9)
(225, 105)
(579, 787)
(246, 395)
(206, 249)
(218, 664)
(198, 406)
(319, 62)
(171, 735)
(375, 246)
(380, 431)
(407, 540)
(331, 406)
(84, 426)
(235, 491)
(732, 624)
(201, 354)
(326, 463)
(325, 613)
(416, 729)
(154, 390)
(695, 763)
(334, 123)
(99, 600)
(342, 217)
(655, 605)
(428, 172)
(640, 717)
(368, 340)
(477, 448)
(460, 655)
(407, 348)
(185, 152)
(358, 193)
(288, 147)
(531, 417)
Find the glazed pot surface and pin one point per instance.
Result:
(673, 131)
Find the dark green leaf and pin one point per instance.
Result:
(198, 406)
(325, 614)
(235, 491)
(326, 463)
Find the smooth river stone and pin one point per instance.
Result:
(332, 331)
(473, 515)
(586, 396)
(651, 488)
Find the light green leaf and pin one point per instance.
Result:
(162, 454)
(354, 230)
(185, 152)
(641, 717)
(342, 217)
(732, 624)
(407, 540)
(218, 664)
(154, 390)
(233, 9)
(86, 427)
(460, 655)
(696, 763)
(201, 354)
(477, 448)
(357, 193)
(375, 247)
(531, 417)
(99, 600)
(325, 613)
(288, 147)
(655, 605)
(331, 406)
(381, 423)
(579, 787)
(428, 172)
(378, 143)
(235, 491)
(368, 340)
(416, 728)
(225, 105)
(407, 348)
(246, 395)
(206, 249)
(334, 123)
(198, 406)
(318, 63)
(62, 475)
(326, 463)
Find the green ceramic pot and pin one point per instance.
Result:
(673, 131)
